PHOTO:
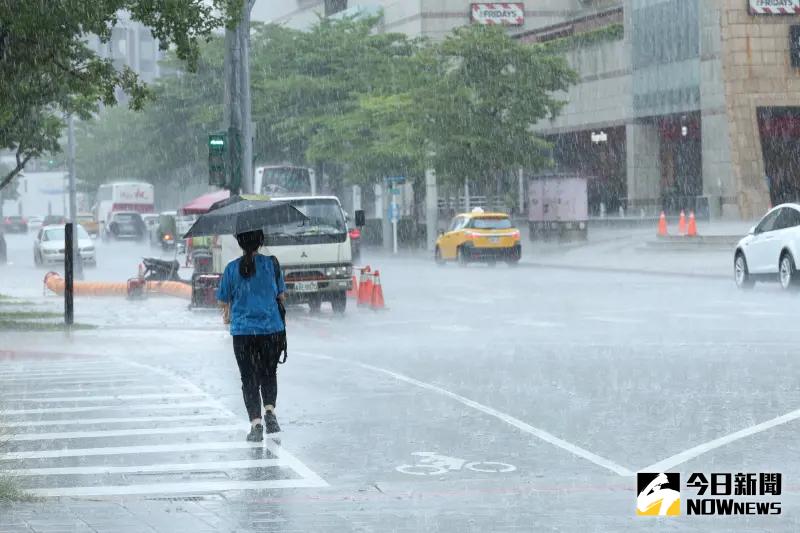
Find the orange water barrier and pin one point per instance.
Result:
(54, 282)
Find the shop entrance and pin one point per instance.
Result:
(779, 128)
(681, 157)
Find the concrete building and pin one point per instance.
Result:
(681, 104)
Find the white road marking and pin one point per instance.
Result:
(508, 419)
(614, 320)
(536, 323)
(128, 450)
(43, 393)
(175, 430)
(698, 316)
(104, 421)
(175, 488)
(288, 459)
(155, 396)
(455, 328)
(71, 378)
(118, 407)
(77, 372)
(671, 462)
(115, 381)
(170, 467)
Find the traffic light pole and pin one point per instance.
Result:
(237, 97)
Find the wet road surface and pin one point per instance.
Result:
(483, 399)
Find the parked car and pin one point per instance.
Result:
(35, 222)
(770, 250)
(479, 236)
(89, 224)
(48, 247)
(125, 225)
(15, 224)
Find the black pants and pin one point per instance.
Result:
(257, 357)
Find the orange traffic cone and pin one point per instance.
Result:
(377, 303)
(365, 287)
(692, 231)
(352, 293)
(682, 224)
(662, 225)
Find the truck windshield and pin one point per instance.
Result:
(325, 224)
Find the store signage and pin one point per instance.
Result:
(503, 13)
(774, 7)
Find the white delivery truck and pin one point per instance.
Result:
(558, 207)
(315, 256)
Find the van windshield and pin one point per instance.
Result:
(325, 224)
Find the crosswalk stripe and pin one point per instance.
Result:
(119, 407)
(43, 393)
(126, 450)
(170, 467)
(129, 420)
(177, 488)
(123, 432)
(153, 396)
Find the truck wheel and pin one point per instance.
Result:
(314, 303)
(339, 302)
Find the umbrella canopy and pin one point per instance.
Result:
(244, 215)
(203, 204)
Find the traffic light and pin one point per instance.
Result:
(224, 160)
(218, 159)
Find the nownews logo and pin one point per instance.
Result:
(659, 494)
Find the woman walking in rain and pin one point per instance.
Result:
(252, 292)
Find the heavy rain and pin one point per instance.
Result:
(436, 266)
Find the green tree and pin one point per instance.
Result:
(479, 111)
(47, 69)
(166, 140)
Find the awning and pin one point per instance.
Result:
(203, 203)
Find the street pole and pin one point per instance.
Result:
(73, 200)
(431, 208)
(245, 103)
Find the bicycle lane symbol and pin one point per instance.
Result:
(434, 464)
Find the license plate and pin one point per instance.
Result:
(494, 239)
(305, 286)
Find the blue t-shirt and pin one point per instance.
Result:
(254, 310)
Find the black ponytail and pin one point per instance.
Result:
(249, 242)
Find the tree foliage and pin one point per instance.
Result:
(372, 104)
(48, 70)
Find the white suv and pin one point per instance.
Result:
(771, 250)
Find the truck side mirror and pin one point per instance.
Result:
(361, 218)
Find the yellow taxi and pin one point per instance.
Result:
(479, 236)
(89, 223)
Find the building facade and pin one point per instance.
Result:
(681, 104)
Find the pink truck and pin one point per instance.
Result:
(558, 207)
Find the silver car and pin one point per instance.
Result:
(48, 247)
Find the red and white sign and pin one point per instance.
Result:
(774, 7)
(505, 13)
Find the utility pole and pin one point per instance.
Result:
(245, 103)
(237, 97)
(73, 200)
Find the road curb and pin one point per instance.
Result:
(620, 270)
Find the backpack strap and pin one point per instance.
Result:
(276, 266)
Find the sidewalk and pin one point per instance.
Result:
(627, 250)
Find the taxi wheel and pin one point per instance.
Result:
(437, 256)
(463, 258)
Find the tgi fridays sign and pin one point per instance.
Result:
(774, 7)
(505, 13)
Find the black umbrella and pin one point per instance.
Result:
(237, 215)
